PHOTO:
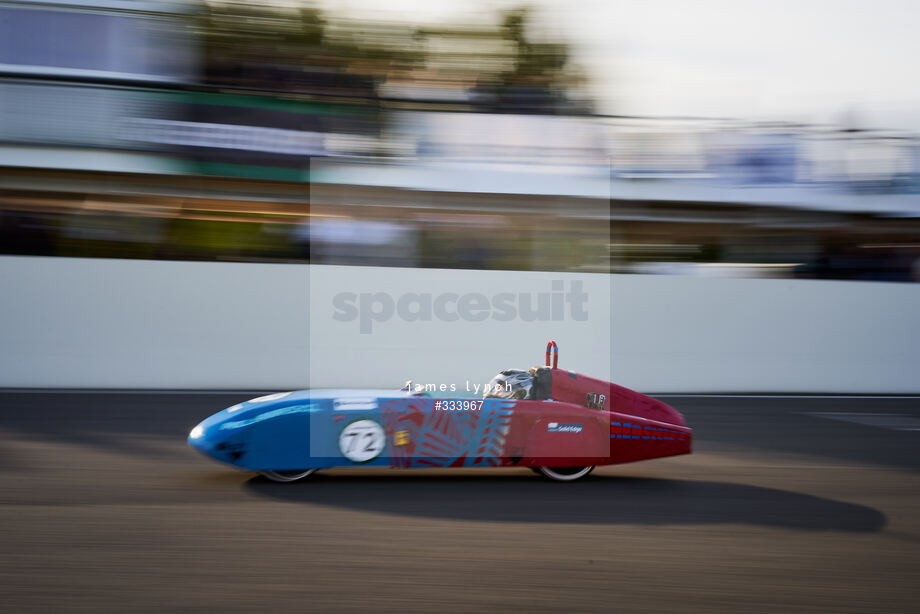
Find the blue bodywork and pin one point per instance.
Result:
(278, 431)
(308, 429)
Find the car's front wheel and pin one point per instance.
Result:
(565, 474)
(287, 476)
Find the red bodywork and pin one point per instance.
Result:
(578, 421)
(627, 426)
(619, 425)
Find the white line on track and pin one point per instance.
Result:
(894, 422)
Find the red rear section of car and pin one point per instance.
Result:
(571, 387)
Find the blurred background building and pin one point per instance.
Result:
(292, 132)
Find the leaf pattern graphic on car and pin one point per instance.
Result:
(446, 438)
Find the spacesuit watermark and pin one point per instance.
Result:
(376, 307)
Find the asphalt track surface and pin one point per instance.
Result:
(785, 506)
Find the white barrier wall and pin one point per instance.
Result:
(95, 323)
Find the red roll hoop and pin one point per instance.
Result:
(555, 349)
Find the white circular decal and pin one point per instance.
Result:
(362, 441)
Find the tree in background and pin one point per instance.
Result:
(301, 50)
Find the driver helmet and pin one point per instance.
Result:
(510, 384)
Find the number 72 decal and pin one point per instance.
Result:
(362, 440)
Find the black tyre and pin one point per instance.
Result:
(287, 475)
(565, 474)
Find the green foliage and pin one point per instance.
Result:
(303, 49)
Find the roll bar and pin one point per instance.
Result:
(555, 349)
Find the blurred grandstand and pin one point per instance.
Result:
(231, 131)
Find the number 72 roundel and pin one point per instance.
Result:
(362, 440)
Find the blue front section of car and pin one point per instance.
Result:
(289, 431)
(257, 434)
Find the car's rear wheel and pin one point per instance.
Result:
(565, 474)
(288, 475)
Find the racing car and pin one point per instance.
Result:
(558, 423)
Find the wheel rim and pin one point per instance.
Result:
(288, 475)
(565, 474)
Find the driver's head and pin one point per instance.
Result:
(510, 384)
